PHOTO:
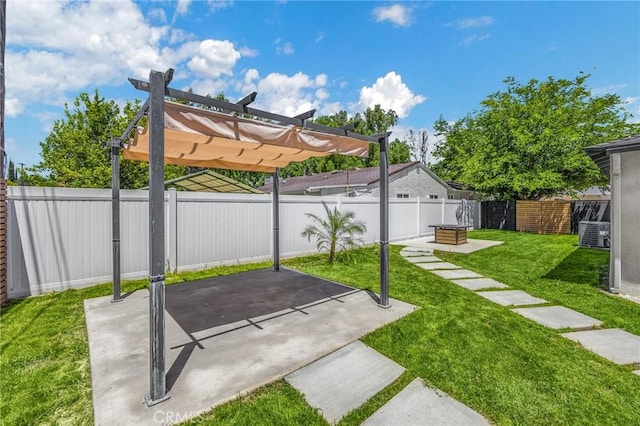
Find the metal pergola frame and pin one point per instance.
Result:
(153, 107)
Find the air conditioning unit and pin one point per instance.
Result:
(593, 234)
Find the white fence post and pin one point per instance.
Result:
(418, 217)
(443, 201)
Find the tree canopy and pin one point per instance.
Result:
(527, 141)
(75, 153)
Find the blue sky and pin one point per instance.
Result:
(422, 59)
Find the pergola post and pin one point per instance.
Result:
(384, 222)
(158, 383)
(276, 221)
(115, 217)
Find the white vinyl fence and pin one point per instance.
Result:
(60, 238)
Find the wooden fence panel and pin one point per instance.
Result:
(555, 217)
(528, 216)
(544, 217)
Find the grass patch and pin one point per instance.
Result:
(508, 368)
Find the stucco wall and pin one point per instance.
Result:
(630, 222)
(416, 183)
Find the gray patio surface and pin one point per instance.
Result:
(557, 317)
(437, 265)
(412, 251)
(344, 380)
(224, 362)
(420, 405)
(614, 344)
(511, 297)
(479, 283)
(455, 274)
(428, 244)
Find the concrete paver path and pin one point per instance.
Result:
(344, 380)
(457, 274)
(511, 297)
(437, 265)
(614, 344)
(558, 317)
(419, 405)
(479, 283)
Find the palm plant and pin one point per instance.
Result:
(338, 232)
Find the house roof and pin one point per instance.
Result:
(205, 138)
(342, 178)
(210, 181)
(600, 153)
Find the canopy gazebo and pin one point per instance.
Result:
(221, 137)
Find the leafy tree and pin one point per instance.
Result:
(527, 141)
(75, 155)
(335, 234)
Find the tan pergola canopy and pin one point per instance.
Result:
(203, 138)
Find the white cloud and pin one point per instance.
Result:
(248, 52)
(604, 90)
(209, 86)
(215, 5)
(213, 58)
(182, 7)
(56, 49)
(397, 14)
(476, 38)
(285, 48)
(319, 36)
(390, 93)
(158, 15)
(476, 22)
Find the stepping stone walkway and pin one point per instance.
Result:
(615, 345)
(344, 380)
(511, 297)
(558, 317)
(457, 274)
(419, 405)
(437, 265)
(479, 283)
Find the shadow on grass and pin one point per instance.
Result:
(582, 266)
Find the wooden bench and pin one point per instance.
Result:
(451, 234)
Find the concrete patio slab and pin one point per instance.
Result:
(557, 317)
(437, 265)
(427, 243)
(616, 345)
(456, 274)
(344, 380)
(418, 405)
(219, 364)
(511, 297)
(423, 259)
(637, 372)
(479, 283)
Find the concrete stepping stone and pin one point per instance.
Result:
(613, 344)
(557, 317)
(414, 249)
(437, 265)
(419, 405)
(423, 259)
(345, 379)
(455, 274)
(511, 297)
(637, 372)
(416, 253)
(479, 283)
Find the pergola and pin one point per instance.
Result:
(221, 137)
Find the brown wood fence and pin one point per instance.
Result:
(544, 217)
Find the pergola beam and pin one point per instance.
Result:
(249, 99)
(243, 109)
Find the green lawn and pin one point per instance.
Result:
(510, 369)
